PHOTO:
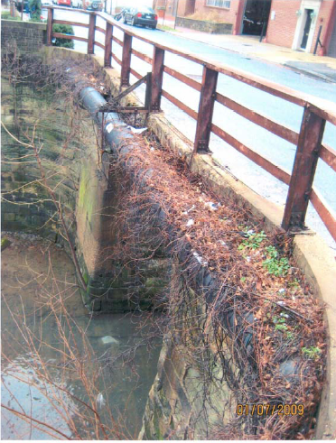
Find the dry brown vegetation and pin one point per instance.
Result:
(257, 299)
(260, 300)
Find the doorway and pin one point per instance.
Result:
(255, 17)
(306, 29)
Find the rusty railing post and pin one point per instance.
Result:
(157, 78)
(50, 25)
(108, 45)
(307, 154)
(148, 97)
(12, 8)
(92, 28)
(205, 110)
(126, 60)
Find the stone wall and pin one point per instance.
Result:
(204, 26)
(84, 185)
(26, 37)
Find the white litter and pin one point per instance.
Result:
(250, 232)
(107, 340)
(100, 401)
(137, 130)
(109, 127)
(190, 209)
(152, 149)
(248, 259)
(284, 315)
(200, 259)
(190, 222)
(282, 291)
(223, 243)
(212, 206)
(280, 303)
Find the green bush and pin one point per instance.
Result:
(63, 42)
(35, 7)
(6, 16)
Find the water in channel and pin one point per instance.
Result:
(65, 372)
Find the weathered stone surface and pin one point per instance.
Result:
(204, 25)
(22, 37)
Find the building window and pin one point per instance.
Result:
(219, 3)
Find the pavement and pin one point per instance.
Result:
(322, 68)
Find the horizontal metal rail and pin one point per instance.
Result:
(180, 105)
(142, 56)
(308, 141)
(100, 30)
(259, 119)
(183, 78)
(276, 171)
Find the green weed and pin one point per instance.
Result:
(312, 352)
(274, 265)
(253, 241)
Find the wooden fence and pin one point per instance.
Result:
(308, 141)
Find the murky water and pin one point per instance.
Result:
(67, 373)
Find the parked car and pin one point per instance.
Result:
(140, 16)
(77, 4)
(46, 3)
(93, 5)
(63, 2)
(18, 4)
(121, 14)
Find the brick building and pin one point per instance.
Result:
(295, 24)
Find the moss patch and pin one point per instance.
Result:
(4, 243)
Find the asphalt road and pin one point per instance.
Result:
(270, 146)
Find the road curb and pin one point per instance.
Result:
(309, 73)
(306, 72)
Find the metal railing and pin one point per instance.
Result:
(308, 141)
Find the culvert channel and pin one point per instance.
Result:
(66, 373)
(175, 411)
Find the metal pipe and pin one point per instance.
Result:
(114, 129)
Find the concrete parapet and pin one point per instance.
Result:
(22, 37)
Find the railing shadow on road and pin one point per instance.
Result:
(308, 141)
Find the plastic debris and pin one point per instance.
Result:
(189, 210)
(109, 127)
(190, 222)
(200, 259)
(284, 315)
(212, 206)
(107, 340)
(100, 401)
(137, 130)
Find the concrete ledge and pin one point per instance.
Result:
(26, 37)
(204, 25)
(313, 257)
